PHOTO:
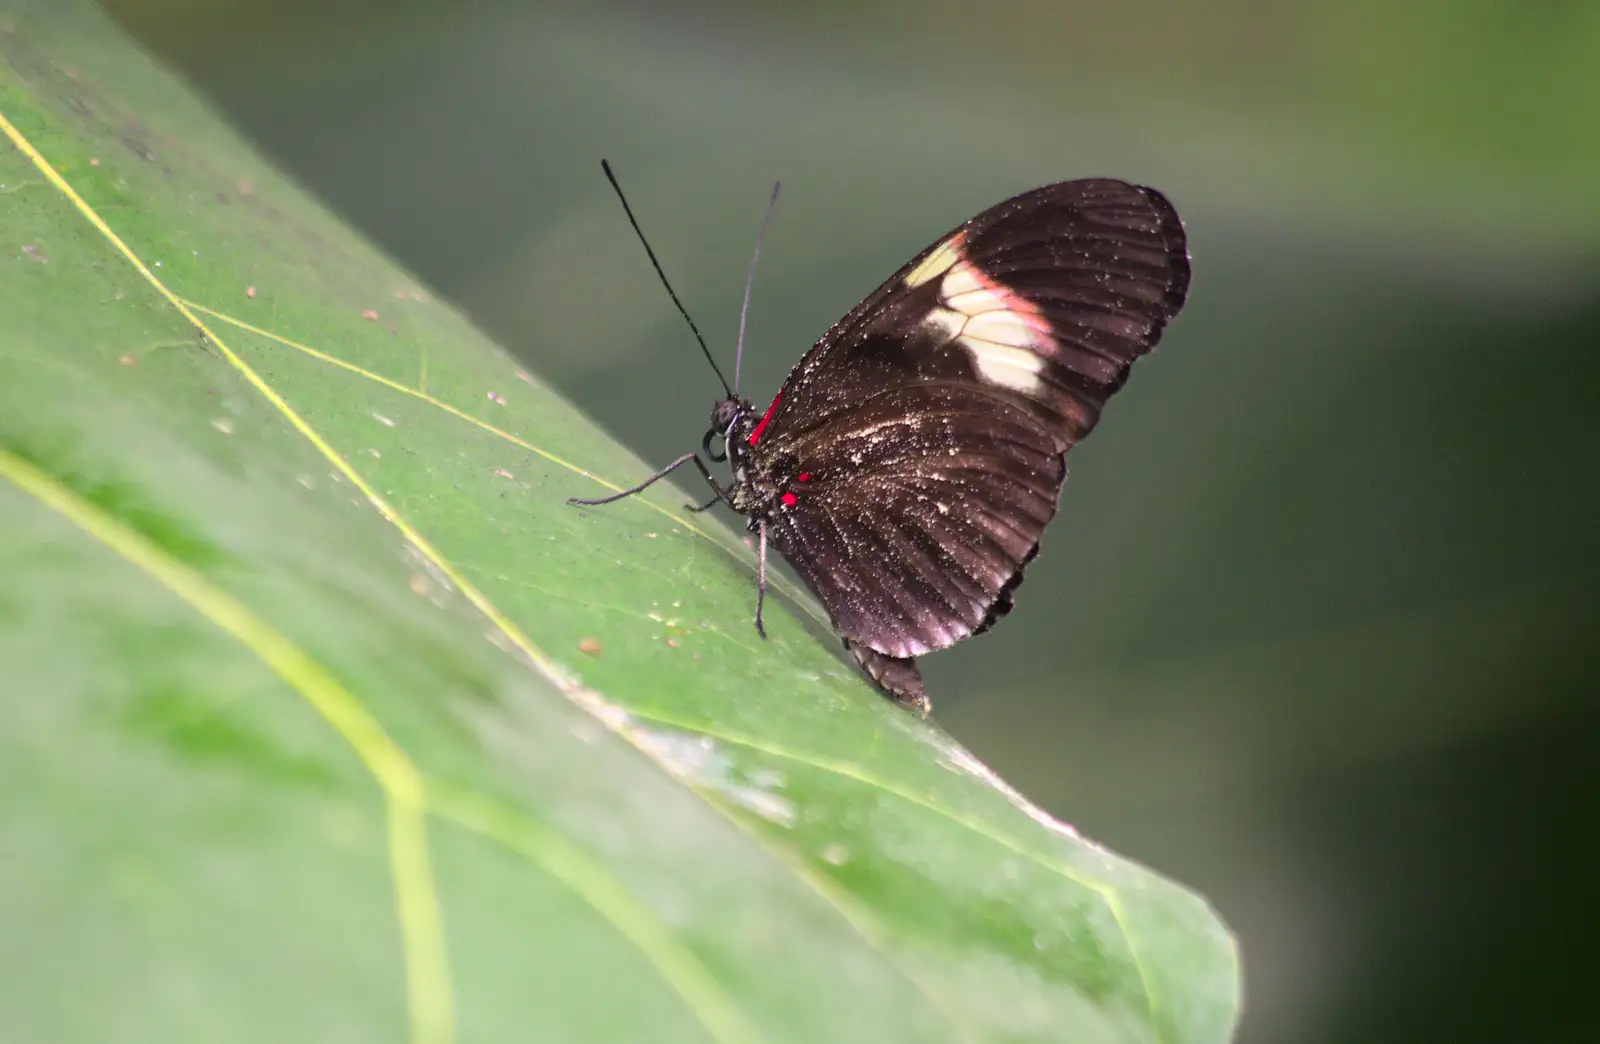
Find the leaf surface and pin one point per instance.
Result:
(328, 719)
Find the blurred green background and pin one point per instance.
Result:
(1314, 632)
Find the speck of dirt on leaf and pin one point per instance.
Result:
(503, 473)
(374, 452)
(497, 398)
(249, 291)
(128, 360)
(835, 854)
(224, 425)
(589, 646)
(32, 252)
(370, 315)
(94, 161)
(672, 643)
(381, 419)
(418, 584)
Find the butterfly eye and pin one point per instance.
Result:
(717, 456)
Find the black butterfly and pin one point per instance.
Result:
(909, 464)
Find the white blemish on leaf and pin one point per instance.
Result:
(609, 714)
(767, 778)
(952, 756)
(697, 760)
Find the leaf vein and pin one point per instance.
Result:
(416, 897)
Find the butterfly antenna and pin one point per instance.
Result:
(749, 281)
(657, 266)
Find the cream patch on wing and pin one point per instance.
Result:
(937, 262)
(1014, 368)
(1007, 335)
(949, 324)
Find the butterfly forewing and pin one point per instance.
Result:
(921, 442)
(1100, 264)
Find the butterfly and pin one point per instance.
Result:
(909, 464)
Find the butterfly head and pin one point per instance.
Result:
(730, 419)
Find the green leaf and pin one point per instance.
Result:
(328, 719)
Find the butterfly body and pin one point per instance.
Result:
(909, 464)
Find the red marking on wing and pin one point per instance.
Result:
(789, 499)
(805, 476)
(755, 435)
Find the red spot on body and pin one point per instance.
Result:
(765, 420)
(789, 499)
(805, 476)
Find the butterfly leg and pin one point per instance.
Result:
(761, 580)
(711, 481)
(707, 506)
(641, 487)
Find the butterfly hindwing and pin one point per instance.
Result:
(916, 511)
(922, 440)
(895, 675)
